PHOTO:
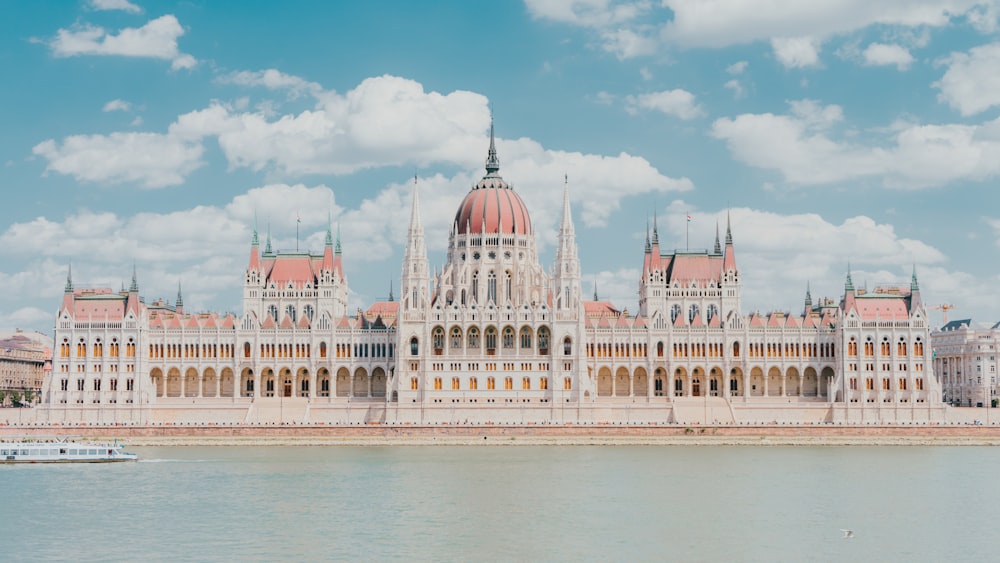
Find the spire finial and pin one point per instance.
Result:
(656, 236)
(267, 244)
(492, 162)
(809, 299)
(69, 279)
(337, 248)
(729, 231)
(135, 281)
(718, 247)
(254, 240)
(595, 290)
(648, 247)
(849, 284)
(180, 298)
(329, 234)
(390, 291)
(914, 286)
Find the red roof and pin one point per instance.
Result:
(882, 308)
(492, 207)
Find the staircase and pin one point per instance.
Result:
(702, 410)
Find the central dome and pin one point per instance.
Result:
(492, 206)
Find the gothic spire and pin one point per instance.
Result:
(729, 232)
(648, 247)
(656, 236)
(849, 284)
(718, 247)
(135, 282)
(180, 298)
(595, 291)
(809, 299)
(337, 247)
(914, 286)
(267, 244)
(390, 291)
(329, 234)
(492, 162)
(253, 240)
(69, 279)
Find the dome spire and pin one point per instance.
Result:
(492, 162)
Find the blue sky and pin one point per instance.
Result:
(831, 132)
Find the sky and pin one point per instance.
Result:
(833, 135)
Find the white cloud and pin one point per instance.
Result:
(587, 13)
(136, 122)
(803, 148)
(157, 39)
(736, 87)
(123, 5)
(796, 29)
(117, 105)
(880, 54)
(646, 74)
(628, 43)
(149, 159)
(678, 103)
(796, 52)
(275, 80)
(737, 68)
(971, 84)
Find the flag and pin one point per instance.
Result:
(689, 217)
(297, 218)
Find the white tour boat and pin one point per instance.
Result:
(62, 451)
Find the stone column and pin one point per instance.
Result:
(201, 385)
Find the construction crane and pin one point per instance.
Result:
(944, 312)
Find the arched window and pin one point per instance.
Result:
(246, 349)
(437, 340)
(456, 338)
(543, 340)
(692, 313)
(322, 349)
(491, 340)
(491, 287)
(475, 287)
(474, 338)
(414, 346)
(659, 349)
(273, 311)
(711, 312)
(736, 349)
(290, 311)
(567, 346)
(508, 288)
(508, 338)
(413, 383)
(525, 338)
(309, 312)
(675, 312)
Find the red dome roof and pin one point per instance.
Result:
(493, 207)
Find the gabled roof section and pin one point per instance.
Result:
(756, 320)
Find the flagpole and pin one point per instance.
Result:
(687, 232)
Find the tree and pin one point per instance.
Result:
(29, 396)
(3, 397)
(15, 398)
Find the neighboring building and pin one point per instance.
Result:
(493, 336)
(965, 360)
(24, 364)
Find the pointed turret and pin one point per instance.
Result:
(915, 302)
(729, 257)
(337, 250)
(849, 283)
(328, 248)
(267, 244)
(415, 279)
(649, 247)
(132, 301)
(254, 249)
(492, 162)
(595, 290)
(656, 236)
(179, 308)
(390, 292)
(566, 283)
(718, 247)
(69, 279)
(809, 300)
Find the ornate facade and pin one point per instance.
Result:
(965, 359)
(493, 336)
